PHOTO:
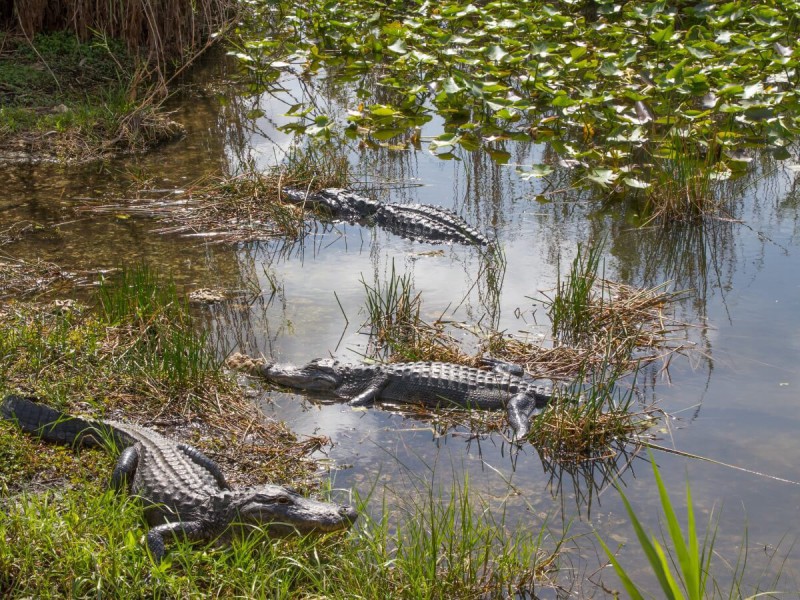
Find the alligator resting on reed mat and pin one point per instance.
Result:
(184, 492)
(421, 222)
(428, 383)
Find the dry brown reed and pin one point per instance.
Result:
(20, 278)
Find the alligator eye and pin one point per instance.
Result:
(283, 500)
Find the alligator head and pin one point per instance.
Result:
(320, 375)
(282, 511)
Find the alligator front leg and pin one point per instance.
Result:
(372, 393)
(157, 537)
(520, 410)
(503, 366)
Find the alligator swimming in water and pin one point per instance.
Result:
(427, 383)
(421, 222)
(185, 493)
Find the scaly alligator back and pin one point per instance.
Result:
(421, 222)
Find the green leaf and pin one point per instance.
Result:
(501, 157)
(660, 36)
(635, 183)
(451, 86)
(604, 177)
(381, 110)
(385, 134)
(496, 53)
(534, 171)
(399, 47)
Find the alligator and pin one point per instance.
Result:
(184, 492)
(420, 222)
(428, 383)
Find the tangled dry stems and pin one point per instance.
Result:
(627, 328)
(238, 208)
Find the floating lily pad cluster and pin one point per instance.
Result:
(613, 87)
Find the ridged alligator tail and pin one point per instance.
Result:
(421, 222)
(184, 492)
(428, 383)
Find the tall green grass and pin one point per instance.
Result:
(681, 563)
(397, 330)
(570, 310)
(167, 346)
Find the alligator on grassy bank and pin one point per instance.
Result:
(420, 222)
(428, 383)
(184, 492)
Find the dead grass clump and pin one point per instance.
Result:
(597, 323)
(240, 208)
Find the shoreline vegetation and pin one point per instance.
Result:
(82, 81)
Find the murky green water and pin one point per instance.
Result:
(734, 399)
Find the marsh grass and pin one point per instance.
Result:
(86, 543)
(597, 323)
(398, 332)
(137, 352)
(164, 343)
(241, 207)
(592, 419)
(683, 182)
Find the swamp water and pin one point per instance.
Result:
(734, 398)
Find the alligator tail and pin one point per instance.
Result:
(54, 426)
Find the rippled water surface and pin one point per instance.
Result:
(734, 399)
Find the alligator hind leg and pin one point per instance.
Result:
(122, 477)
(209, 465)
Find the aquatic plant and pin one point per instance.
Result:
(681, 564)
(617, 90)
